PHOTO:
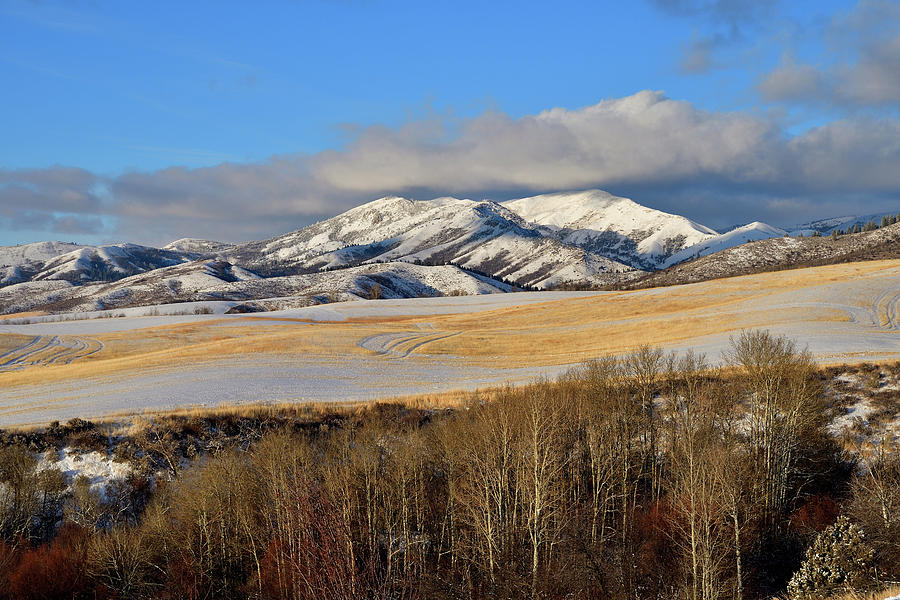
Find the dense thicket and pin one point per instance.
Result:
(649, 476)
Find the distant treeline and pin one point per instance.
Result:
(649, 476)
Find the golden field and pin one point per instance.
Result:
(845, 311)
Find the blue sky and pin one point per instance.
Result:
(237, 120)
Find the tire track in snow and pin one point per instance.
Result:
(67, 347)
(391, 343)
(93, 347)
(29, 350)
(891, 312)
(5, 357)
(47, 350)
(428, 341)
(886, 303)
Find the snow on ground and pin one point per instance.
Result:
(143, 317)
(420, 306)
(851, 319)
(99, 468)
(856, 412)
(235, 381)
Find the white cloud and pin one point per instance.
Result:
(861, 67)
(791, 82)
(717, 167)
(640, 137)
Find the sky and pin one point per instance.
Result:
(236, 121)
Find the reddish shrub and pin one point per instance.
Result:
(815, 514)
(8, 560)
(56, 570)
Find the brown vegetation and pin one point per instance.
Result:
(538, 334)
(779, 254)
(650, 476)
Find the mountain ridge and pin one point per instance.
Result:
(585, 238)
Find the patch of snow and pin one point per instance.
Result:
(198, 246)
(857, 412)
(99, 468)
(740, 235)
(848, 378)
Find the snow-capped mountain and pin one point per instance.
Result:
(404, 247)
(845, 223)
(479, 235)
(106, 263)
(22, 263)
(739, 235)
(198, 247)
(614, 227)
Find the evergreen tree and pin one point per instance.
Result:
(838, 560)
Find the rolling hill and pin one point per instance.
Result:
(404, 247)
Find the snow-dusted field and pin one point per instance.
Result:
(252, 379)
(374, 349)
(145, 317)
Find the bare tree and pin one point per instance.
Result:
(697, 458)
(784, 407)
(544, 452)
(484, 489)
(644, 367)
(876, 506)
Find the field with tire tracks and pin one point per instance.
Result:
(374, 349)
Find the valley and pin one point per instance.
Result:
(366, 350)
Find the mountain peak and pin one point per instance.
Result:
(611, 225)
(588, 237)
(197, 246)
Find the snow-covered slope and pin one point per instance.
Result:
(405, 247)
(21, 263)
(219, 280)
(780, 252)
(34, 295)
(737, 236)
(107, 263)
(198, 246)
(478, 235)
(845, 223)
(614, 227)
(381, 280)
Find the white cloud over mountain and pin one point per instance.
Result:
(716, 167)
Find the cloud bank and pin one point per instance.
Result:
(861, 68)
(719, 168)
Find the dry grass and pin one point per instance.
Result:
(11, 341)
(22, 315)
(172, 347)
(515, 337)
(130, 423)
(617, 322)
(882, 595)
(306, 410)
(539, 334)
